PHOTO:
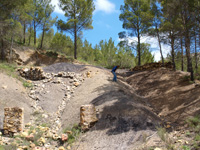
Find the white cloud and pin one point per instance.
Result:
(57, 8)
(100, 5)
(154, 46)
(105, 6)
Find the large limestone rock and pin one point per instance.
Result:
(87, 116)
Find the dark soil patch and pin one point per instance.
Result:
(65, 67)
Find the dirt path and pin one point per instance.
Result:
(124, 121)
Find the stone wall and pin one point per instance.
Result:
(13, 120)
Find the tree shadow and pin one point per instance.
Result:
(121, 112)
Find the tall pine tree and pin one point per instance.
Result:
(79, 17)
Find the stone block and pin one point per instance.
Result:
(87, 116)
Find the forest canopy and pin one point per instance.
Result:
(172, 22)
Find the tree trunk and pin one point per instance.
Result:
(34, 34)
(10, 56)
(75, 42)
(160, 46)
(139, 49)
(196, 63)
(189, 61)
(42, 36)
(30, 35)
(173, 54)
(24, 32)
(182, 59)
(2, 50)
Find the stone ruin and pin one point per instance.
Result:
(87, 116)
(13, 120)
(32, 73)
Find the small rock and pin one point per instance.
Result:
(168, 126)
(45, 116)
(24, 134)
(64, 137)
(41, 141)
(61, 148)
(55, 137)
(32, 145)
(69, 132)
(30, 137)
(68, 147)
(76, 84)
(157, 148)
(28, 124)
(4, 86)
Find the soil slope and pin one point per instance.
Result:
(169, 93)
(13, 94)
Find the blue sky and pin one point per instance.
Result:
(106, 25)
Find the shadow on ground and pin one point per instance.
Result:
(120, 112)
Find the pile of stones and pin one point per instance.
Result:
(33, 73)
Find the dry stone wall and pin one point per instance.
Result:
(13, 120)
(32, 73)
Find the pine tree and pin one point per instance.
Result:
(47, 21)
(79, 17)
(136, 18)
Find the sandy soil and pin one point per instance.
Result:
(13, 94)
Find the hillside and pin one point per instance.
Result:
(131, 112)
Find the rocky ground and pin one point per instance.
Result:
(133, 113)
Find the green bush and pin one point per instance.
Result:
(52, 54)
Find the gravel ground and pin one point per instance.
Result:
(65, 67)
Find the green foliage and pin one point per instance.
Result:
(197, 137)
(194, 121)
(48, 37)
(8, 68)
(8, 147)
(51, 54)
(27, 84)
(162, 133)
(146, 56)
(61, 43)
(186, 147)
(75, 132)
(1, 147)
